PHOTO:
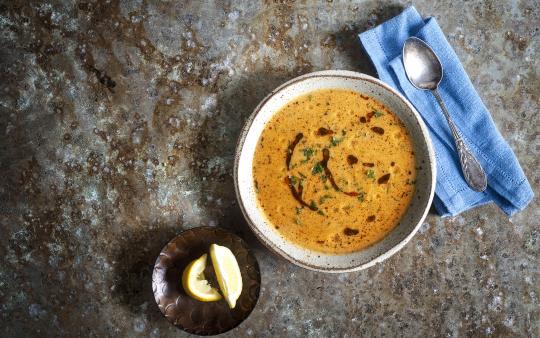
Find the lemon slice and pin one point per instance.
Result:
(195, 284)
(227, 273)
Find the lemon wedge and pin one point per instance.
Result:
(195, 284)
(227, 273)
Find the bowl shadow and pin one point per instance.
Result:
(346, 38)
(236, 103)
(136, 254)
(135, 257)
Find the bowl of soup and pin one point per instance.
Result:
(334, 171)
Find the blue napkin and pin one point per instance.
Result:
(507, 185)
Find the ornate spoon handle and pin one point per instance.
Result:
(471, 168)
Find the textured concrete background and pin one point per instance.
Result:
(119, 123)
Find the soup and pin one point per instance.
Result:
(334, 171)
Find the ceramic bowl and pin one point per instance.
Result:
(411, 220)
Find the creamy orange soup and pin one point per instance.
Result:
(334, 171)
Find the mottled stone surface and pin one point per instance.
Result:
(119, 123)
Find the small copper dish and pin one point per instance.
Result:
(188, 314)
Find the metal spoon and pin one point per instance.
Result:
(424, 71)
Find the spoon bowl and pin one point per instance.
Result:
(423, 67)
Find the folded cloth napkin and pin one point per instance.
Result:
(507, 185)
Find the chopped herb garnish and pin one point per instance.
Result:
(317, 169)
(335, 141)
(298, 210)
(297, 220)
(313, 205)
(326, 187)
(361, 196)
(310, 97)
(370, 173)
(294, 180)
(323, 198)
(320, 212)
(378, 113)
(302, 175)
(308, 152)
(324, 178)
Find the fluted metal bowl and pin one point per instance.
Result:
(188, 314)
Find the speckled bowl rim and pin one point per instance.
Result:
(346, 75)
